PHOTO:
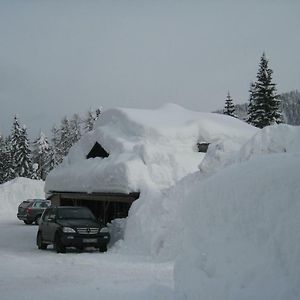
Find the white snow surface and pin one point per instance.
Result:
(232, 228)
(13, 192)
(241, 233)
(147, 149)
(27, 273)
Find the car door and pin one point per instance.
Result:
(47, 221)
(52, 225)
(43, 224)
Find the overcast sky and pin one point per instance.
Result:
(61, 57)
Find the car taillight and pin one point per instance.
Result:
(29, 210)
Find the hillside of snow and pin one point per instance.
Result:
(232, 227)
(234, 224)
(13, 192)
(147, 149)
(241, 233)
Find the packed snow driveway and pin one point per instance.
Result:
(29, 273)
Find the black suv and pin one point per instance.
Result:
(31, 210)
(71, 226)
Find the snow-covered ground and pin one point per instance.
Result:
(12, 193)
(229, 231)
(29, 273)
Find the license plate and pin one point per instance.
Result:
(89, 240)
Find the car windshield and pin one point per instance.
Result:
(75, 213)
(25, 203)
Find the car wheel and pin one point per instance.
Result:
(27, 222)
(37, 220)
(103, 248)
(59, 247)
(39, 240)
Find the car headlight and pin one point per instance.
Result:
(104, 230)
(68, 230)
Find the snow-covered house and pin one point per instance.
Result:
(133, 150)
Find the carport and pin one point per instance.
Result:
(105, 206)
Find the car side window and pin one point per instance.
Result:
(40, 204)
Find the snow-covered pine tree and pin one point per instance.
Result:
(54, 151)
(22, 157)
(89, 121)
(40, 155)
(8, 172)
(229, 108)
(2, 159)
(264, 105)
(98, 113)
(75, 128)
(65, 139)
(15, 141)
(251, 112)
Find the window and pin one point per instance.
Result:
(97, 151)
(202, 147)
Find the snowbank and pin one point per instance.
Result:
(156, 220)
(12, 193)
(147, 149)
(241, 237)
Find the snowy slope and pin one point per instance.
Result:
(148, 149)
(156, 221)
(12, 193)
(241, 233)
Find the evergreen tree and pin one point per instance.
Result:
(40, 155)
(98, 113)
(2, 159)
(229, 106)
(54, 152)
(22, 157)
(89, 121)
(8, 173)
(251, 112)
(15, 147)
(75, 129)
(65, 138)
(264, 103)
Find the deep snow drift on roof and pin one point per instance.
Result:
(147, 148)
(162, 235)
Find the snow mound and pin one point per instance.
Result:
(13, 192)
(147, 149)
(156, 220)
(272, 139)
(241, 237)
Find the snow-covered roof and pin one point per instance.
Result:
(147, 148)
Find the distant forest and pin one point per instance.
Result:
(290, 107)
(20, 157)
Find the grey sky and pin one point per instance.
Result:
(62, 57)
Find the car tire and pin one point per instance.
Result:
(103, 248)
(27, 222)
(39, 240)
(58, 246)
